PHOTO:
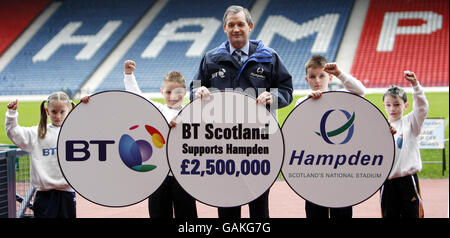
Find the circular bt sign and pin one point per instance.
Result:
(112, 149)
(339, 149)
(226, 150)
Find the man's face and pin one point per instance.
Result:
(237, 29)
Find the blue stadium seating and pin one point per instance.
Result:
(62, 71)
(295, 54)
(151, 71)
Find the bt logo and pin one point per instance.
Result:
(347, 126)
(135, 153)
(132, 152)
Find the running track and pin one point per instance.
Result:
(284, 203)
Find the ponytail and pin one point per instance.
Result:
(42, 129)
(59, 96)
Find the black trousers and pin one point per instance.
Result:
(54, 204)
(169, 199)
(259, 208)
(315, 211)
(400, 198)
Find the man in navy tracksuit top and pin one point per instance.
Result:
(248, 65)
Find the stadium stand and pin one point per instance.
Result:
(80, 35)
(304, 28)
(401, 35)
(178, 18)
(70, 45)
(281, 18)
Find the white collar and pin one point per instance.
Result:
(244, 49)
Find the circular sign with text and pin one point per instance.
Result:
(227, 150)
(339, 149)
(112, 149)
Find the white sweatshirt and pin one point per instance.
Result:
(44, 169)
(407, 158)
(131, 85)
(350, 83)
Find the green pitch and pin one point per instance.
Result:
(439, 107)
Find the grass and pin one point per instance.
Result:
(439, 107)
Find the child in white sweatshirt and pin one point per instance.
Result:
(170, 198)
(54, 197)
(319, 74)
(400, 194)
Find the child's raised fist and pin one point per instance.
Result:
(411, 77)
(129, 66)
(13, 105)
(332, 68)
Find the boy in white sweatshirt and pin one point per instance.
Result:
(170, 198)
(319, 74)
(400, 194)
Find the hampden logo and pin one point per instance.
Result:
(347, 159)
(348, 126)
(136, 153)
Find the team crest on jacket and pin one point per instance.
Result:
(259, 74)
(220, 73)
(260, 70)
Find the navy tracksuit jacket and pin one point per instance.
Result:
(262, 71)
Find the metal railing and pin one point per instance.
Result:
(16, 193)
